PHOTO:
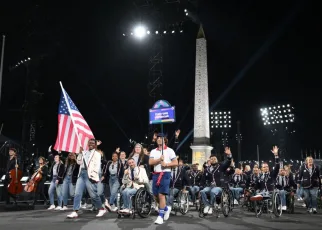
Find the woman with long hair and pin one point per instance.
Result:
(114, 174)
(70, 178)
(140, 158)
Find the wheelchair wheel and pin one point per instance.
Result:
(277, 204)
(291, 203)
(183, 200)
(143, 203)
(231, 200)
(200, 210)
(225, 202)
(258, 208)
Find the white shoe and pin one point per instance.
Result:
(284, 208)
(156, 208)
(190, 203)
(304, 205)
(167, 213)
(107, 205)
(235, 202)
(64, 208)
(84, 206)
(206, 209)
(125, 210)
(72, 215)
(52, 207)
(210, 211)
(101, 212)
(159, 220)
(58, 208)
(114, 208)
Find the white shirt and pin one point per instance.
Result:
(168, 155)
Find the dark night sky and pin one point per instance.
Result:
(106, 74)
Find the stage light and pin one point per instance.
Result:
(277, 114)
(156, 32)
(164, 32)
(140, 32)
(221, 119)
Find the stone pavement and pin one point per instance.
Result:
(56, 220)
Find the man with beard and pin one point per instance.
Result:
(211, 180)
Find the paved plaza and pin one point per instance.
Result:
(41, 219)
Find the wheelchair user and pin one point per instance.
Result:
(266, 180)
(283, 183)
(134, 178)
(211, 180)
(179, 180)
(238, 184)
(194, 176)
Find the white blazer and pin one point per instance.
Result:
(139, 181)
(93, 164)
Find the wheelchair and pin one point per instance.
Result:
(195, 203)
(245, 202)
(223, 203)
(181, 203)
(290, 201)
(141, 204)
(270, 204)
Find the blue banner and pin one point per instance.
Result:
(162, 115)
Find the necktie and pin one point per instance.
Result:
(238, 178)
(132, 174)
(282, 181)
(174, 174)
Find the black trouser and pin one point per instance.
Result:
(40, 191)
(6, 194)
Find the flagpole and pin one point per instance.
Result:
(71, 117)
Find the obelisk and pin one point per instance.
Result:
(201, 149)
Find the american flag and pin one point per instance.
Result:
(67, 138)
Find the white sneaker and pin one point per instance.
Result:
(113, 208)
(190, 203)
(58, 208)
(206, 209)
(101, 212)
(125, 210)
(304, 205)
(52, 207)
(167, 213)
(235, 202)
(284, 208)
(107, 204)
(84, 206)
(159, 220)
(210, 211)
(64, 208)
(72, 215)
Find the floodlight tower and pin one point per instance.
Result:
(220, 125)
(154, 12)
(280, 121)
